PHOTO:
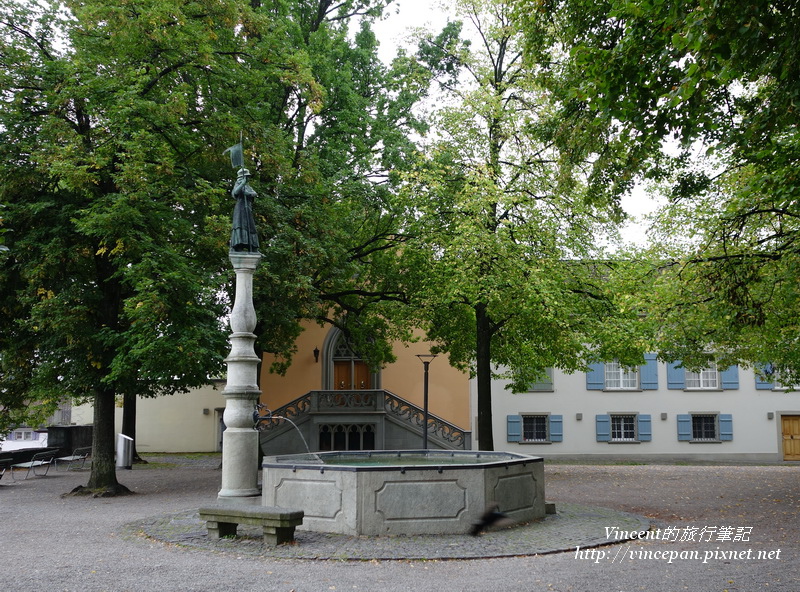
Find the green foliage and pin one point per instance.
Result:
(724, 72)
(724, 76)
(328, 162)
(112, 116)
(117, 189)
(726, 288)
(505, 222)
(3, 231)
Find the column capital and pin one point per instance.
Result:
(244, 259)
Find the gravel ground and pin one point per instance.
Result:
(49, 542)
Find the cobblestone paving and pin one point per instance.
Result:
(573, 525)
(153, 540)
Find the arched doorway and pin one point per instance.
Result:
(343, 368)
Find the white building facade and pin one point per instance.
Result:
(657, 411)
(184, 422)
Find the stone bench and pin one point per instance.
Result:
(278, 523)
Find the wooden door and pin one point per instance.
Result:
(351, 375)
(362, 375)
(342, 375)
(790, 428)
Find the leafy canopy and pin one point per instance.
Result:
(716, 77)
(506, 219)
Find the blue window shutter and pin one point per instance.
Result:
(596, 377)
(645, 428)
(556, 428)
(546, 384)
(648, 374)
(603, 427)
(35, 436)
(725, 427)
(514, 428)
(676, 377)
(684, 428)
(730, 377)
(764, 384)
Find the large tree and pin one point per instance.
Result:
(716, 79)
(718, 278)
(334, 234)
(506, 223)
(149, 93)
(111, 130)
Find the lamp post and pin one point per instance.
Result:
(426, 360)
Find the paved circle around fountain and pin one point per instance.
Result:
(572, 526)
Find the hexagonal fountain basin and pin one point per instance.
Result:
(384, 492)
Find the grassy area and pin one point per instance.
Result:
(171, 460)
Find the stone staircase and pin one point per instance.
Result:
(354, 420)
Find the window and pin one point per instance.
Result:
(707, 378)
(779, 385)
(705, 427)
(346, 437)
(24, 435)
(618, 377)
(545, 384)
(535, 428)
(623, 427)
(769, 378)
(612, 376)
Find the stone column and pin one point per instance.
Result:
(240, 439)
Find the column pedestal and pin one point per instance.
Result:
(240, 440)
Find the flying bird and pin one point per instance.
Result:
(491, 517)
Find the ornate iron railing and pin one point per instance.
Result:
(267, 420)
(437, 427)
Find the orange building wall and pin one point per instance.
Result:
(303, 375)
(448, 388)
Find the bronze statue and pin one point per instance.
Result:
(244, 236)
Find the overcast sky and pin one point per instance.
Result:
(394, 31)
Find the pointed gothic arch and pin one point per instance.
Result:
(342, 368)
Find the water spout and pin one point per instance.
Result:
(260, 419)
(299, 433)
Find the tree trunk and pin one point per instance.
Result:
(104, 474)
(103, 479)
(483, 362)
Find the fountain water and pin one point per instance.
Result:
(260, 419)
